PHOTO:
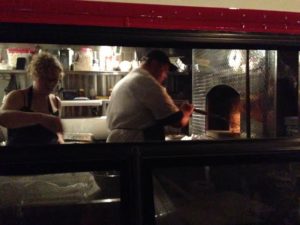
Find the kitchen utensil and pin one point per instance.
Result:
(215, 116)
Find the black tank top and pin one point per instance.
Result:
(32, 135)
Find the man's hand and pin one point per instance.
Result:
(187, 109)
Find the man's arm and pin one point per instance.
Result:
(180, 118)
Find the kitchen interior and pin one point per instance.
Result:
(238, 93)
(241, 86)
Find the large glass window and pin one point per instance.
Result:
(239, 93)
(227, 194)
(65, 198)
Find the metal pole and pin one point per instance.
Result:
(248, 105)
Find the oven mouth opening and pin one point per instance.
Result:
(223, 111)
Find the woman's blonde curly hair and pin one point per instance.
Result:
(44, 64)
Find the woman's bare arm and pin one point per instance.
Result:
(11, 117)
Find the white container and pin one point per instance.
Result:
(106, 54)
(125, 66)
(96, 126)
(84, 60)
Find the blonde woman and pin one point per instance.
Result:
(32, 114)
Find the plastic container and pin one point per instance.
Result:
(84, 60)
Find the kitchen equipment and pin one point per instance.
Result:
(14, 53)
(66, 57)
(21, 63)
(95, 127)
(84, 60)
(222, 134)
(69, 94)
(78, 138)
(219, 134)
(125, 66)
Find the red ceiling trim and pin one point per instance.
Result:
(129, 15)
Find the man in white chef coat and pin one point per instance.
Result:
(140, 106)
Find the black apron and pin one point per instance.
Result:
(157, 131)
(154, 133)
(35, 134)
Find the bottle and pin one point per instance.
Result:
(92, 93)
(134, 62)
(81, 92)
(95, 62)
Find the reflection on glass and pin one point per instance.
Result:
(262, 65)
(67, 198)
(221, 195)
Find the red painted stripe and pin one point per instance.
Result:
(107, 14)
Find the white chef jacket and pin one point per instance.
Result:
(137, 102)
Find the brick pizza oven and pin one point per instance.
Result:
(220, 88)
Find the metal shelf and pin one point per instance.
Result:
(13, 71)
(101, 73)
(81, 103)
(106, 73)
